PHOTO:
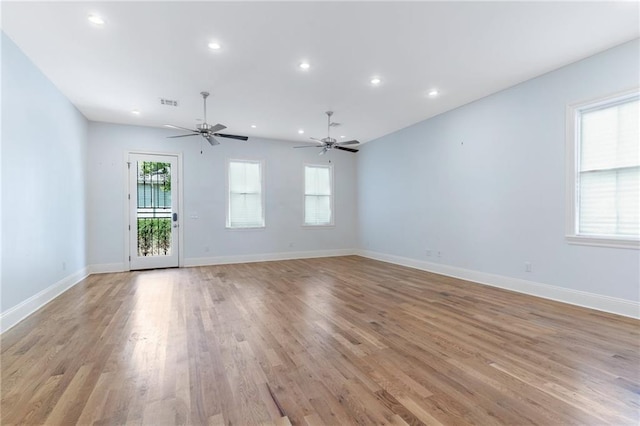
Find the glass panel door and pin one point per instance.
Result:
(153, 211)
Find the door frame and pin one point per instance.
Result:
(126, 202)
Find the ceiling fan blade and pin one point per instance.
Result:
(223, 135)
(318, 140)
(353, 142)
(180, 128)
(211, 140)
(346, 149)
(308, 146)
(183, 136)
(217, 128)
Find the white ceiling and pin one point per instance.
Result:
(149, 50)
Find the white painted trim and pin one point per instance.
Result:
(181, 222)
(107, 268)
(17, 313)
(613, 242)
(599, 302)
(127, 211)
(267, 257)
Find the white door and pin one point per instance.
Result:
(153, 211)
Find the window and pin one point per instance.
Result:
(246, 208)
(603, 178)
(318, 197)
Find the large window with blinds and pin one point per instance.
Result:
(318, 195)
(604, 172)
(245, 191)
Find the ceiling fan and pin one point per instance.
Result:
(205, 130)
(330, 143)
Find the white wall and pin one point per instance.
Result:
(43, 181)
(484, 184)
(206, 239)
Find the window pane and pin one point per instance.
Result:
(246, 210)
(244, 177)
(610, 137)
(628, 188)
(609, 202)
(598, 203)
(317, 180)
(317, 210)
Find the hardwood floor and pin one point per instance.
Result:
(332, 341)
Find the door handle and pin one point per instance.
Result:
(175, 217)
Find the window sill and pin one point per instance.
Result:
(331, 225)
(245, 228)
(612, 242)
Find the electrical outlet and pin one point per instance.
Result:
(439, 253)
(527, 267)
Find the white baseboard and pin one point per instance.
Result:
(599, 302)
(14, 315)
(266, 257)
(107, 268)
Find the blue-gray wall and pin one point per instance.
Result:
(206, 239)
(484, 184)
(44, 143)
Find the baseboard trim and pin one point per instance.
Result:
(107, 268)
(14, 315)
(585, 299)
(266, 257)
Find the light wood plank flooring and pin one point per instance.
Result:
(332, 341)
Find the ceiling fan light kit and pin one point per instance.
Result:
(207, 131)
(330, 143)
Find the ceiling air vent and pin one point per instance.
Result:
(169, 102)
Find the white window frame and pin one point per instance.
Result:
(262, 193)
(572, 174)
(331, 198)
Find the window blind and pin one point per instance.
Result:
(245, 195)
(609, 170)
(317, 195)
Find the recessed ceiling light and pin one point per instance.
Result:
(300, 131)
(375, 81)
(342, 137)
(214, 45)
(304, 65)
(95, 19)
(253, 126)
(135, 112)
(433, 93)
